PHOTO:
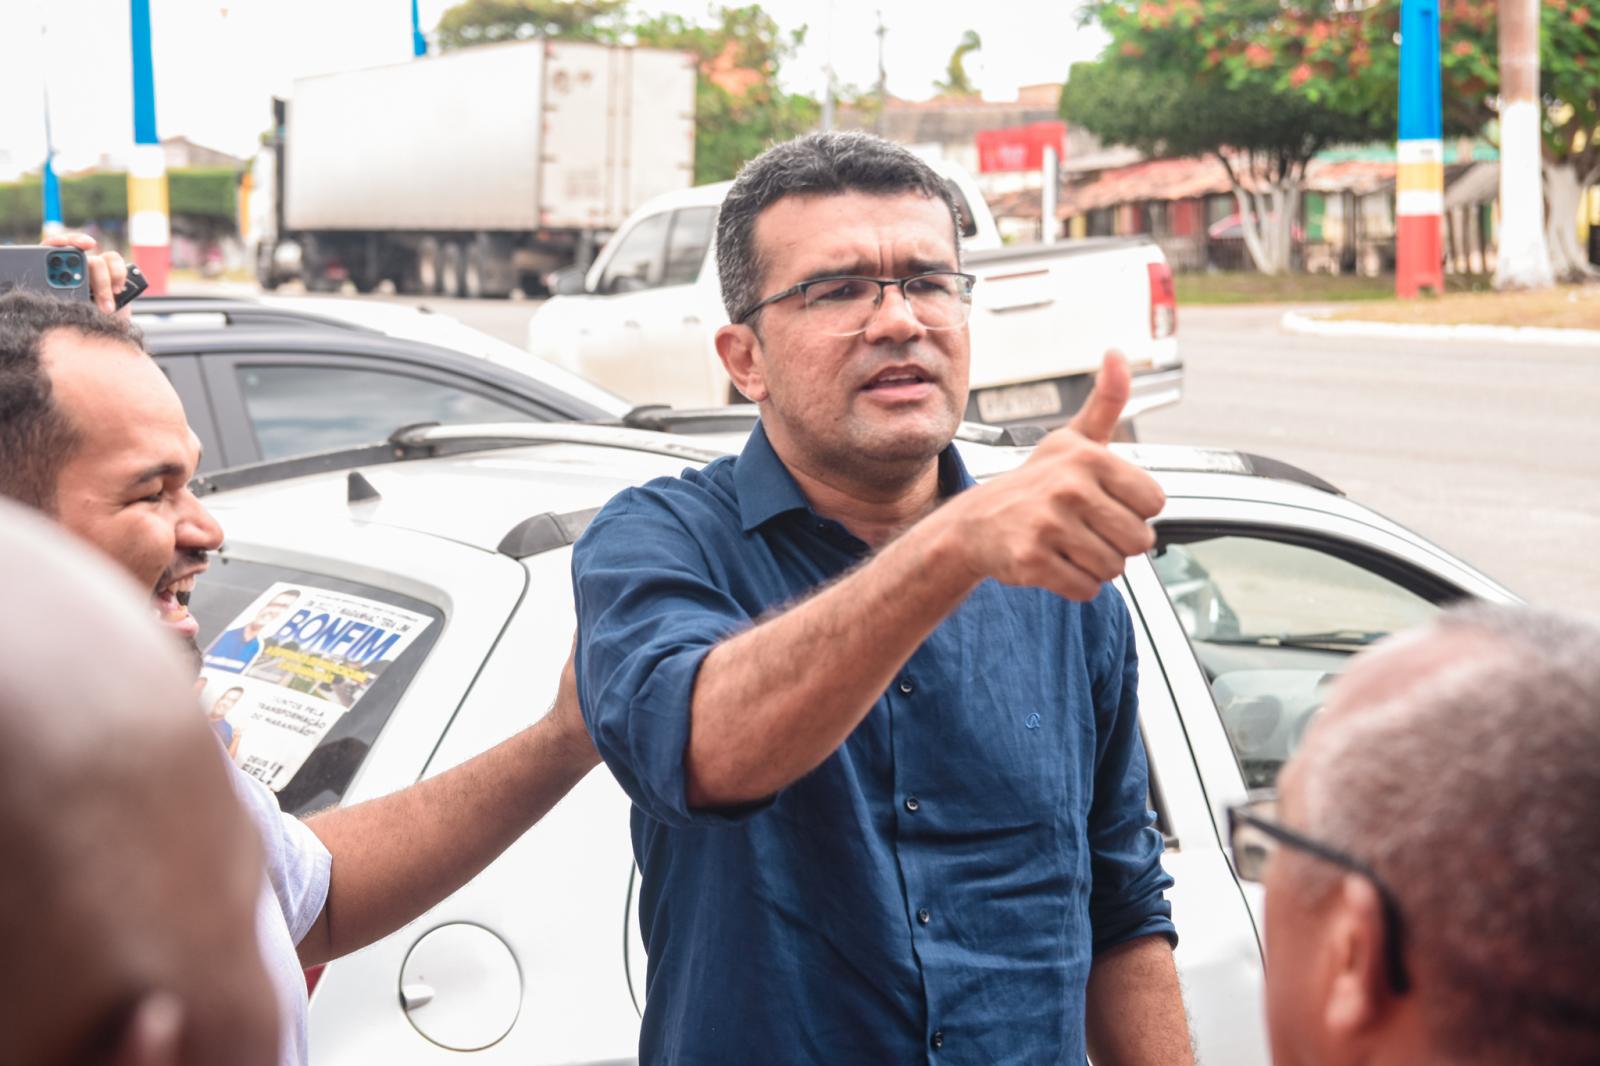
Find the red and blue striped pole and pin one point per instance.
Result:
(1419, 182)
(149, 227)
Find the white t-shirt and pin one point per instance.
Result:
(292, 896)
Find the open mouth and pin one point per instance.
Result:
(900, 382)
(171, 604)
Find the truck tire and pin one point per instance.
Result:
(428, 267)
(472, 272)
(450, 269)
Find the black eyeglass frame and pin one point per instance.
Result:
(799, 290)
(1393, 922)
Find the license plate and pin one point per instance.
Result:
(1017, 402)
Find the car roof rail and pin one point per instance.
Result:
(1183, 459)
(666, 419)
(429, 440)
(162, 313)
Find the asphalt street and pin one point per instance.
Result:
(1490, 450)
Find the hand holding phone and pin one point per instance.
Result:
(57, 271)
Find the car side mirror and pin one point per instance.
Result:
(568, 281)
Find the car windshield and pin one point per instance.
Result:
(302, 670)
(1273, 619)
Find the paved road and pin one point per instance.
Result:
(1492, 451)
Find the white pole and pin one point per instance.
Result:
(1047, 197)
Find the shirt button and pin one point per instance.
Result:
(912, 803)
(906, 687)
(923, 916)
(937, 1039)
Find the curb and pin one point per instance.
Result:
(1312, 325)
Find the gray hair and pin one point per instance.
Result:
(1475, 795)
(816, 164)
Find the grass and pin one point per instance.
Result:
(1564, 307)
(1252, 288)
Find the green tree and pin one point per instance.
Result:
(1352, 62)
(487, 21)
(956, 81)
(1188, 77)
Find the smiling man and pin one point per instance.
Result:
(93, 435)
(879, 724)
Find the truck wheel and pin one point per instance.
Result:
(472, 272)
(428, 266)
(450, 270)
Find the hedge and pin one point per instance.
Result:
(206, 192)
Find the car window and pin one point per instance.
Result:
(686, 248)
(301, 671)
(636, 264)
(1273, 620)
(297, 409)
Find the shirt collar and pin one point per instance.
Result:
(766, 488)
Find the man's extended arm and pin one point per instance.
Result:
(1134, 1013)
(396, 856)
(772, 703)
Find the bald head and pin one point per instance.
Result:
(128, 908)
(1462, 763)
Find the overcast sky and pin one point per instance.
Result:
(218, 62)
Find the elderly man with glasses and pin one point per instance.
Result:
(879, 724)
(1431, 862)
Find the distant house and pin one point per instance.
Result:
(182, 153)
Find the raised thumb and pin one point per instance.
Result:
(1101, 412)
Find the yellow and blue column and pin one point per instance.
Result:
(149, 225)
(1419, 182)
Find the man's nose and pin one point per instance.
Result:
(196, 528)
(892, 320)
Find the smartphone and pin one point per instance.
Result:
(62, 272)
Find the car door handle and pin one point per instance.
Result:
(630, 324)
(691, 320)
(415, 995)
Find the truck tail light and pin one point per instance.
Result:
(1163, 302)
(313, 975)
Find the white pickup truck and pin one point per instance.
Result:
(641, 320)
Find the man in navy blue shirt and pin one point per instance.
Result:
(879, 724)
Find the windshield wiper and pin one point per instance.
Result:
(1326, 640)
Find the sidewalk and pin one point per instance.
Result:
(1567, 316)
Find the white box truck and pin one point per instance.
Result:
(474, 172)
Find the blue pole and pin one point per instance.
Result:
(419, 43)
(1419, 181)
(53, 222)
(149, 228)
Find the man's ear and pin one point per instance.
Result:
(1359, 993)
(152, 1034)
(739, 349)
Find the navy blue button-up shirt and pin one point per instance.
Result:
(933, 892)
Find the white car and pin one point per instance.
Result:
(1265, 580)
(643, 319)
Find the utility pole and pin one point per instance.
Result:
(1524, 258)
(883, 79)
(149, 228)
(1419, 180)
(827, 69)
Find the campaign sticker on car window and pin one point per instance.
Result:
(291, 665)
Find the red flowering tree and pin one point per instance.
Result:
(1183, 77)
(1345, 54)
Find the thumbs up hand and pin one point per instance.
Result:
(1068, 518)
